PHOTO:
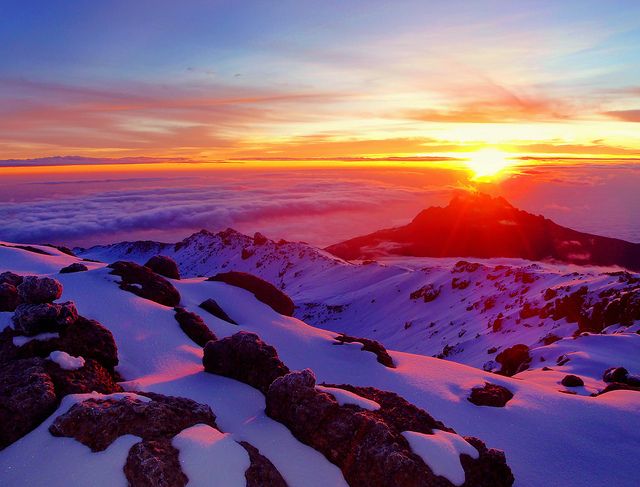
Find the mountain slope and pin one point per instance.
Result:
(477, 225)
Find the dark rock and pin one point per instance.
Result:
(615, 374)
(89, 339)
(262, 472)
(32, 348)
(550, 338)
(32, 319)
(154, 463)
(194, 327)
(163, 265)
(244, 357)
(96, 423)
(492, 395)
(572, 381)
(261, 289)
(145, 283)
(259, 239)
(28, 248)
(75, 267)
(427, 293)
(514, 359)
(617, 386)
(214, 308)
(37, 290)
(369, 345)
(247, 253)
(9, 298)
(91, 377)
(11, 278)
(369, 449)
(27, 397)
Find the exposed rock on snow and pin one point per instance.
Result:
(36, 290)
(154, 463)
(263, 291)
(96, 423)
(490, 395)
(514, 359)
(66, 361)
(344, 397)
(163, 265)
(75, 267)
(20, 341)
(262, 472)
(145, 283)
(33, 319)
(89, 378)
(369, 345)
(214, 308)
(11, 278)
(244, 357)
(194, 327)
(90, 339)
(571, 380)
(9, 297)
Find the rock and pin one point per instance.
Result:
(96, 423)
(261, 472)
(366, 445)
(244, 357)
(9, 298)
(37, 290)
(89, 378)
(572, 381)
(261, 289)
(145, 283)
(163, 265)
(247, 253)
(615, 374)
(75, 267)
(32, 319)
(259, 239)
(89, 339)
(550, 338)
(214, 308)
(617, 386)
(369, 345)
(11, 278)
(27, 397)
(427, 293)
(154, 463)
(490, 395)
(514, 359)
(194, 327)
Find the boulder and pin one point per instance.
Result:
(194, 327)
(261, 289)
(32, 319)
(75, 267)
(615, 374)
(163, 265)
(514, 359)
(88, 378)
(261, 472)
(617, 386)
(492, 395)
(37, 290)
(89, 339)
(9, 297)
(572, 381)
(145, 283)
(154, 463)
(368, 345)
(210, 305)
(11, 278)
(27, 397)
(244, 357)
(97, 423)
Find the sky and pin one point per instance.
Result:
(221, 80)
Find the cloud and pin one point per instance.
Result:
(625, 115)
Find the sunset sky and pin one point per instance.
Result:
(217, 80)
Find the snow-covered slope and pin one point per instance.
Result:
(467, 312)
(549, 437)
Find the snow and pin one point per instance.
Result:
(211, 458)
(66, 361)
(347, 397)
(19, 341)
(441, 452)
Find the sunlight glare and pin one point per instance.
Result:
(487, 163)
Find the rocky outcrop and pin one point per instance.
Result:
(617, 386)
(368, 448)
(145, 283)
(368, 345)
(9, 297)
(88, 378)
(96, 423)
(244, 357)
(163, 265)
(37, 290)
(622, 376)
(91, 340)
(262, 472)
(210, 305)
(571, 380)
(514, 359)
(492, 395)
(261, 289)
(33, 319)
(11, 278)
(75, 267)
(194, 327)
(154, 463)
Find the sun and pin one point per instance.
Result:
(488, 163)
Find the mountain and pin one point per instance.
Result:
(477, 225)
(104, 380)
